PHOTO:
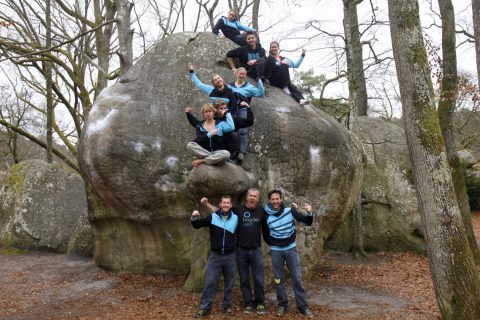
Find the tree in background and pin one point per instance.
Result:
(455, 278)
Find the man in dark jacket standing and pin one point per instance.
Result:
(249, 250)
(278, 225)
(222, 224)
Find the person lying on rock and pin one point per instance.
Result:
(249, 250)
(232, 139)
(218, 91)
(231, 27)
(209, 145)
(278, 230)
(276, 71)
(223, 225)
(250, 56)
(244, 91)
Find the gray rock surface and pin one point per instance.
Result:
(389, 204)
(41, 205)
(466, 157)
(134, 160)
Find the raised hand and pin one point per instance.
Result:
(244, 104)
(188, 109)
(204, 201)
(304, 51)
(294, 205)
(191, 67)
(307, 207)
(195, 214)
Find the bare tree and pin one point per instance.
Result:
(446, 108)
(455, 279)
(476, 31)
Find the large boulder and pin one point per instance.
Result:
(389, 205)
(42, 204)
(134, 159)
(472, 180)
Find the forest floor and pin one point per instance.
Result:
(51, 286)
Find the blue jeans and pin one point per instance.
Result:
(243, 133)
(251, 257)
(291, 258)
(216, 265)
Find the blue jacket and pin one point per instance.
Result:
(278, 227)
(291, 64)
(247, 91)
(230, 29)
(205, 139)
(222, 232)
(226, 94)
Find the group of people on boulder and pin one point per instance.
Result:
(253, 62)
(223, 135)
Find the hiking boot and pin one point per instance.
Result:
(303, 102)
(202, 313)
(281, 311)
(228, 311)
(306, 312)
(261, 309)
(248, 310)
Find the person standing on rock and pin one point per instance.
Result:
(216, 92)
(231, 27)
(222, 224)
(249, 250)
(209, 144)
(232, 139)
(250, 56)
(278, 223)
(244, 91)
(277, 71)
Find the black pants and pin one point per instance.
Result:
(257, 71)
(232, 141)
(279, 77)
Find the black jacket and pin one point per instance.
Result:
(222, 233)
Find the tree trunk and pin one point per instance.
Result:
(255, 11)
(455, 278)
(356, 76)
(358, 249)
(476, 32)
(125, 35)
(446, 108)
(48, 83)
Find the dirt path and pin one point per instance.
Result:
(48, 286)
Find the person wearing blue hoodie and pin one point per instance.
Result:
(223, 225)
(209, 145)
(278, 230)
(277, 72)
(231, 27)
(244, 91)
(217, 91)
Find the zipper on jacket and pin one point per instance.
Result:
(223, 244)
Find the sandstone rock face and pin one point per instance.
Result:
(389, 205)
(466, 157)
(142, 189)
(41, 205)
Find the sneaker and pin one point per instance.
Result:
(286, 90)
(303, 102)
(261, 309)
(240, 157)
(306, 312)
(281, 311)
(202, 313)
(228, 311)
(248, 310)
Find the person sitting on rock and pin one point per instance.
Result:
(232, 139)
(209, 144)
(250, 56)
(231, 27)
(244, 91)
(278, 230)
(218, 91)
(276, 71)
(223, 225)
(249, 250)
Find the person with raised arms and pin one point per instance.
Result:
(223, 225)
